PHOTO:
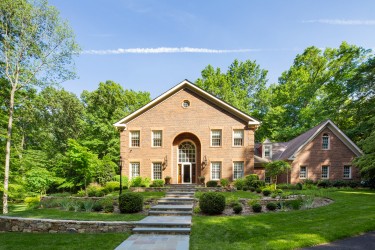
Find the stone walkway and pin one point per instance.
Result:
(168, 225)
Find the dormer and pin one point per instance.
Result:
(267, 149)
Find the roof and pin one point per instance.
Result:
(192, 87)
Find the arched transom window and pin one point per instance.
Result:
(186, 152)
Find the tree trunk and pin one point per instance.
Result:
(7, 151)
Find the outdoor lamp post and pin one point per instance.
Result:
(120, 166)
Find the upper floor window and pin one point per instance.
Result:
(347, 172)
(303, 172)
(238, 171)
(215, 170)
(157, 138)
(267, 151)
(135, 169)
(238, 137)
(135, 138)
(325, 172)
(325, 141)
(216, 137)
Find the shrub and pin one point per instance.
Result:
(136, 182)
(258, 183)
(294, 204)
(266, 192)
(107, 204)
(353, 184)
(224, 182)
(88, 205)
(237, 208)
(339, 183)
(97, 207)
(257, 208)
(211, 184)
(252, 189)
(81, 193)
(94, 190)
(245, 188)
(232, 200)
(157, 183)
(299, 186)
(250, 178)
(239, 183)
(212, 203)
(32, 202)
(146, 182)
(112, 186)
(130, 202)
(271, 206)
(76, 205)
(258, 190)
(196, 210)
(324, 183)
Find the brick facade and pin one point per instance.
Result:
(194, 124)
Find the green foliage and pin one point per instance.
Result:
(130, 203)
(95, 190)
(271, 206)
(224, 182)
(239, 183)
(112, 186)
(196, 210)
(299, 186)
(237, 209)
(266, 192)
(324, 183)
(275, 168)
(232, 200)
(211, 183)
(157, 183)
(32, 202)
(88, 205)
(257, 208)
(136, 182)
(249, 179)
(212, 203)
(107, 204)
(258, 183)
(294, 204)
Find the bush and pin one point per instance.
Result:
(237, 208)
(258, 190)
(354, 184)
(81, 193)
(252, 189)
(112, 186)
(211, 184)
(271, 206)
(339, 183)
(239, 183)
(88, 205)
(266, 192)
(324, 183)
(232, 200)
(32, 202)
(245, 188)
(286, 186)
(146, 182)
(107, 204)
(157, 183)
(97, 207)
(258, 184)
(136, 182)
(294, 204)
(224, 182)
(212, 203)
(95, 190)
(130, 203)
(299, 186)
(257, 208)
(249, 179)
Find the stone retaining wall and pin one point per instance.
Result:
(17, 224)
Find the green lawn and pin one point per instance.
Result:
(352, 213)
(45, 241)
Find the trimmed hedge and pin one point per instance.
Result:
(212, 203)
(257, 208)
(211, 184)
(130, 203)
(271, 206)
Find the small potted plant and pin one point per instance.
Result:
(167, 180)
(201, 179)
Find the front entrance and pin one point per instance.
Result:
(186, 163)
(186, 173)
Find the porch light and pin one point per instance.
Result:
(120, 166)
(165, 163)
(204, 162)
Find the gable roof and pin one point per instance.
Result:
(192, 87)
(293, 147)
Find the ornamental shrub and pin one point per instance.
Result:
(157, 183)
(32, 202)
(107, 204)
(245, 188)
(299, 186)
(237, 209)
(130, 203)
(252, 189)
(212, 203)
(324, 183)
(257, 208)
(136, 182)
(266, 192)
(239, 183)
(211, 184)
(258, 190)
(112, 186)
(249, 179)
(97, 207)
(271, 206)
(224, 182)
(258, 183)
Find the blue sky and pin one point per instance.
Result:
(151, 45)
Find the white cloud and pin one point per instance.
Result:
(342, 21)
(166, 50)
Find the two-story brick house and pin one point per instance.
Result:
(186, 133)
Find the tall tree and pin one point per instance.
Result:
(36, 49)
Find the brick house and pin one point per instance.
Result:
(323, 152)
(186, 133)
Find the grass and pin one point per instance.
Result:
(351, 214)
(45, 241)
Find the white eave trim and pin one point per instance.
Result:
(215, 100)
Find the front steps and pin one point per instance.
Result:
(172, 214)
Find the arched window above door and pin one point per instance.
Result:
(186, 152)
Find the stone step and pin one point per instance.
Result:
(177, 199)
(174, 202)
(169, 213)
(188, 207)
(180, 193)
(182, 190)
(159, 230)
(179, 196)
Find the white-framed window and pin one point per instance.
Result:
(157, 138)
(238, 170)
(267, 151)
(325, 172)
(267, 179)
(302, 172)
(216, 137)
(215, 171)
(325, 141)
(237, 137)
(347, 172)
(135, 169)
(157, 170)
(135, 139)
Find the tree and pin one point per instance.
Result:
(275, 168)
(36, 49)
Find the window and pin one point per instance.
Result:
(325, 141)
(134, 139)
(325, 172)
(215, 170)
(135, 169)
(156, 171)
(237, 170)
(347, 172)
(238, 137)
(267, 151)
(186, 152)
(267, 179)
(216, 138)
(157, 138)
(303, 172)
(185, 104)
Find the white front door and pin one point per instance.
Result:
(186, 173)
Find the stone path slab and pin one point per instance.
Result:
(172, 220)
(155, 242)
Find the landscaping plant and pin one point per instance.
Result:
(212, 203)
(130, 203)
